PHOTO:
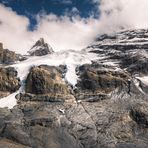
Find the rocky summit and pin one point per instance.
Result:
(40, 48)
(93, 98)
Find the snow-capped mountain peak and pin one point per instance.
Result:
(40, 48)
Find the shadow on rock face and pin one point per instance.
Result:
(53, 138)
(139, 113)
(9, 82)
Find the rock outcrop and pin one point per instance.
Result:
(45, 83)
(40, 48)
(9, 57)
(96, 78)
(9, 82)
(44, 80)
(96, 82)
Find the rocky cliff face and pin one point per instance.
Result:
(9, 82)
(128, 49)
(45, 83)
(107, 108)
(9, 57)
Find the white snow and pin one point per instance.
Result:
(143, 79)
(110, 63)
(137, 84)
(69, 58)
(9, 101)
(38, 48)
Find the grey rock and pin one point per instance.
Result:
(9, 57)
(40, 48)
(107, 109)
(9, 82)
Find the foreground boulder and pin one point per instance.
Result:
(9, 82)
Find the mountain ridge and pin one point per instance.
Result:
(92, 98)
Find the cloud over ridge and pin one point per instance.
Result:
(71, 32)
(124, 13)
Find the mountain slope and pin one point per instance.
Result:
(97, 97)
(127, 50)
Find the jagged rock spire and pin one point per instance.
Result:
(40, 48)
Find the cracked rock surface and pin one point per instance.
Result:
(108, 107)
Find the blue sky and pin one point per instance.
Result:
(30, 8)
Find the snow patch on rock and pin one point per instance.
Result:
(70, 58)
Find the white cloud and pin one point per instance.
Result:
(71, 33)
(60, 32)
(123, 13)
(13, 29)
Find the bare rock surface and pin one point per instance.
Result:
(40, 48)
(108, 107)
(9, 82)
(9, 57)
